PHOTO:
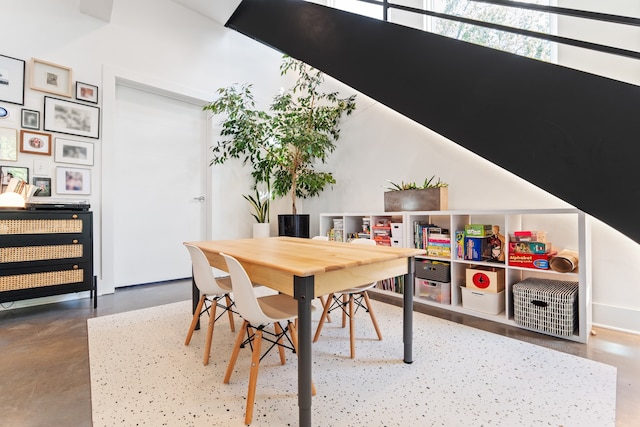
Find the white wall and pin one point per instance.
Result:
(160, 42)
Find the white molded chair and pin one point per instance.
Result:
(259, 313)
(212, 291)
(354, 299)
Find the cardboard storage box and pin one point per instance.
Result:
(546, 305)
(486, 302)
(537, 261)
(476, 249)
(433, 291)
(529, 247)
(478, 230)
(439, 271)
(485, 280)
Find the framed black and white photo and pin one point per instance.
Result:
(71, 118)
(74, 152)
(86, 92)
(30, 119)
(51, 78)
(8, 144)
(35, 142)
(12, 80)
(73, 181)
(44, 186)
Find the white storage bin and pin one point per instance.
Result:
(486, 302)
(396, 230)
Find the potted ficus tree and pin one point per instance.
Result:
(287, 143)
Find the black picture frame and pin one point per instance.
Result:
(71, 118)
(12, 80)
(30, 119)
(86, 92)
(44, 184)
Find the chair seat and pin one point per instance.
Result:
(280, 307)
(358, 289)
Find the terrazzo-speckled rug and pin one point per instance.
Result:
(143, 374)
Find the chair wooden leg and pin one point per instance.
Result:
(323, 301)
(194, 322)
(231, 322)
(373, 317)
(323, 317)
(212, 324)
(293, 333)
(253, 376)
(352, 327)
(234, 354)
(280, 342)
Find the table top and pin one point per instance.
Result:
(273, 261)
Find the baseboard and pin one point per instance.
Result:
(616, 318)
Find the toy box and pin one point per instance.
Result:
(476, 248)
(485, 279)
(537, 261)
(529, 247)
(478, 230)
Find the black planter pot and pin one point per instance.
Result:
(293, 225)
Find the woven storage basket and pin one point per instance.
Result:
(546, 305)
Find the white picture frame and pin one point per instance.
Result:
(51, 78)
(71, 118)
(73, 152)
(73, 180)
(8, 144)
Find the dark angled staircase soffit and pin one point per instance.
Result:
(571, 133)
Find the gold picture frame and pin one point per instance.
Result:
(51, 78)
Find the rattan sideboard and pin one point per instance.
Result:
(44, 253)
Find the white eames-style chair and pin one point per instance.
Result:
(259, 313)
(214, 293)
(349, 302)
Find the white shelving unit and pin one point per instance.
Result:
(566, 229)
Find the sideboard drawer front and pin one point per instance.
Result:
(14, 282)
(41, 226)
(40, 253)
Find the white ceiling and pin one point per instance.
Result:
(217, 10)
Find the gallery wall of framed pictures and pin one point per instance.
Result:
(48, 127)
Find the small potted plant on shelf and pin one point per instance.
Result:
(431, 195)
(287, 143)
(260, 205)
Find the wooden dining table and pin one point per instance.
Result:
(305, 269)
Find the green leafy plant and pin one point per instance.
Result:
(285, 144)
(428, 183)
(260, 206)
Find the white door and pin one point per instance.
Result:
(159, 185)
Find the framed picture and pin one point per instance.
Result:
(8, 172)
(73, 181)
(86, 92)
(8, 144)
(51, 78)
(44, 184)
(12, 80)
(35, 142)
(30, 119)
(75, 152)
(71, 117)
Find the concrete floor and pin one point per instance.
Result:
(44, 364)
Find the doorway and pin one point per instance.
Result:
(158, 184)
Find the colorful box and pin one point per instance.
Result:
(459, 238)
(439, 292)
(478, 230)
(537, 261)
(486, 302)
(529, 247)
(476, 249)
(485, 280)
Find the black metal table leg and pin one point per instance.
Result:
(304, 293)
